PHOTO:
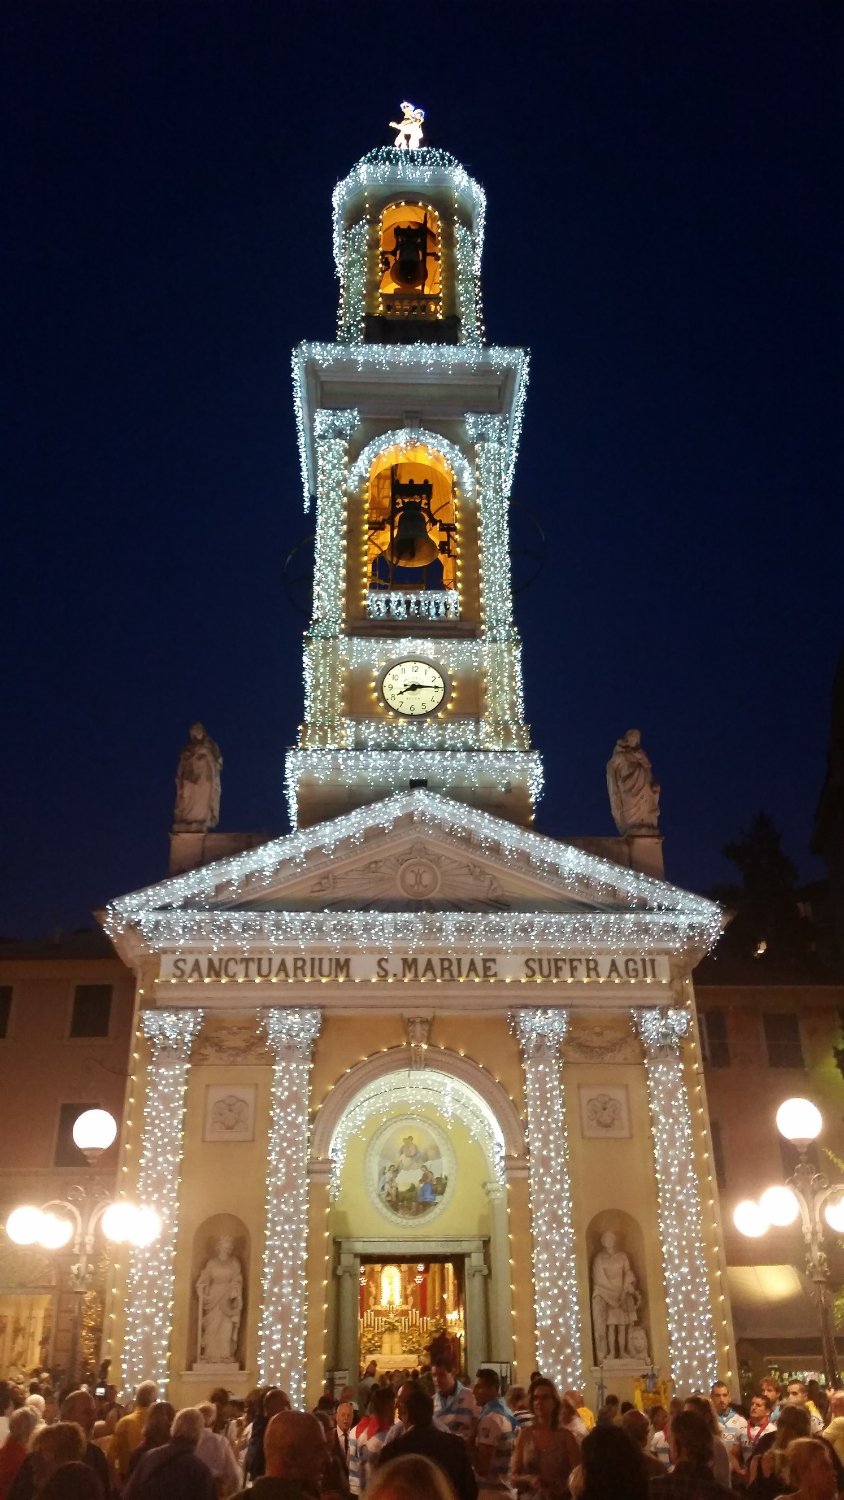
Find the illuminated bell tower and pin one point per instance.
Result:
(408, 433)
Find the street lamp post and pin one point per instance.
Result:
(809, 1195)
(72, 1222)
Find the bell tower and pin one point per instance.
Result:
(408, 433)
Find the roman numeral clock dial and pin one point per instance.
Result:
(413, 687)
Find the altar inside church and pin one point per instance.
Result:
(406, 1304)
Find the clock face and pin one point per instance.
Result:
(413, 687)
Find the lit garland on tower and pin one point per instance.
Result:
(448, 361)
(555, 1288)
(281, 1335)
(691, 1332)
(149, 1294)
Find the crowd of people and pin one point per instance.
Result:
(421, 1434)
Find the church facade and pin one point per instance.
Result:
(416, 1071)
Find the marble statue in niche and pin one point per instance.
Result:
(634, 795)
(616, 1300)
(198, 784)
(219, 1291)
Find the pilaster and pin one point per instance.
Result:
(558, 1336)
(149, 1294)
(691, 1331)
(281, 1336)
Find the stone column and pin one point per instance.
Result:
(501, 650)
(149, 1292)
(323, 697)
(500, 1309)
(476, 1318)
(281, 1335)
(348, 1321)
(691, 1331)
(540, 1033)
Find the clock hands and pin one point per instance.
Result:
(413, 687)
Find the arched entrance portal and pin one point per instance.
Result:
(419, 1159)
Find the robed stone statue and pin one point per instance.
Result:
(220, 1294)
(198, 784)
(634, 795)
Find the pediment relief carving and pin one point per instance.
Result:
(230, 1044)
(416, 873)
(600, 1038)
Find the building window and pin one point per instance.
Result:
(718, 1154)
(714, 1042)
(67, 1151)
(91, 1010)
(782, 1040)
(5, 1009)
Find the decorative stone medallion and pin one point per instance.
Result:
(409, 1170)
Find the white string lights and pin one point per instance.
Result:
(656, 917)
(407, 362)
(388, 167)
(448, 770)
(555, 1288)
(468, 286)
(410, 1089)
(149, 1293)
(431, 443)
(353, 278)
(281, 1335)
(691, 1331)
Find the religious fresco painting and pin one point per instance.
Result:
(410, 1169)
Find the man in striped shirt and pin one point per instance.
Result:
(368, 1438)
(455, 1408)
(495, 1437)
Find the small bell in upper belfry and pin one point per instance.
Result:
(412, 545)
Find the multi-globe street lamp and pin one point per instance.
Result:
(810, 1196)
(71, 1223)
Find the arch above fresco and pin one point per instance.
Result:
(453, 1085)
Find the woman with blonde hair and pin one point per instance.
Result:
(811, 1472)
(411, 1477)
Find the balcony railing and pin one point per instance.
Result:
(410, 305)
(413, 604)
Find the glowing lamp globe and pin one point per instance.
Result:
(834, 1215)
(94, 1131)
(147, 1227)
(54, 1232)
(799, 1120)
(750, 1219)
(779, 1206)
(23, 1225)
(118, 1221)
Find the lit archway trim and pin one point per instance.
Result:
(377, 1084)
(413, 437)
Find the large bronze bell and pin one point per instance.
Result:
(412, 546)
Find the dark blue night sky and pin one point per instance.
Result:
(664, 233)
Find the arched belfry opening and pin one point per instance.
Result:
(410, 262)
(418, 1216)
(411, 509)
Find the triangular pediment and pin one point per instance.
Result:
(415, 854)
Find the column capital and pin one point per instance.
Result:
(540, 1031)
(495, 1192)
(291, 1033)
(339, 423)
(661, 1031)
(170, 1033)
(484, 428)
